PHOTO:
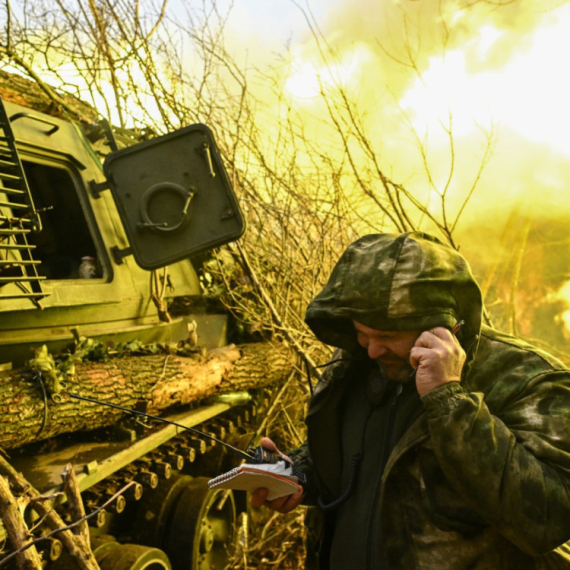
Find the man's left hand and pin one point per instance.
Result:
(438, 359)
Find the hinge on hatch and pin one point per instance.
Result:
(118, 253)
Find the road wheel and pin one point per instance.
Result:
(201, 532)
(115, 556)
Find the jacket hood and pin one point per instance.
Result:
(397, 282)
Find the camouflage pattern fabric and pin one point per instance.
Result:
(396, 282)
(481, 478)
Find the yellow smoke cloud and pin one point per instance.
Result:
(307, 79)
(451, 79)
(492, 75)
(529, 93)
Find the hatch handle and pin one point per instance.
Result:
(208, 154)
(26, 115)
(164, 187)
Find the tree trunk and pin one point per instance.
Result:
(162, 381)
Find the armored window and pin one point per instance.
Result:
(65, 243)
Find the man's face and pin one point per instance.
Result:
(390, 349)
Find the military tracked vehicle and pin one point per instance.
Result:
(80, 250)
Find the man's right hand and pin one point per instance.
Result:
(281, 505)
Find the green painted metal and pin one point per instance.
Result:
(66, 272)
(55, 306)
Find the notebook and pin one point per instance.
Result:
(277, 478)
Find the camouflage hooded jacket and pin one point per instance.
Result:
(480, 479)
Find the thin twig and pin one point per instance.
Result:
(269, 303)
(76, 507)
(276, 400)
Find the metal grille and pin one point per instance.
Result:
(18, 217)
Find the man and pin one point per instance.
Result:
(429, 449)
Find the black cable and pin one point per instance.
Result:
(333, 362)
(235, 450)
(38, 376)
(352, 477)
(308, 368)
(353, 471)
